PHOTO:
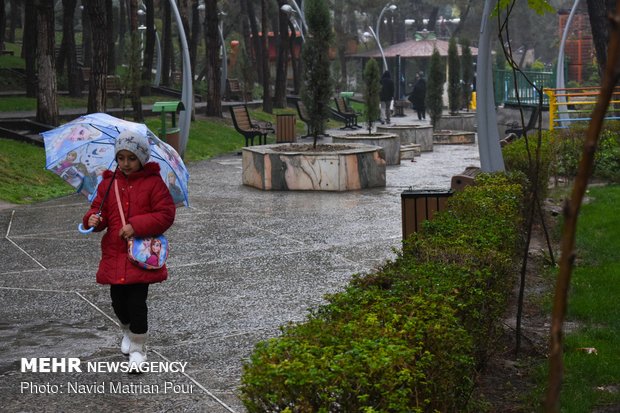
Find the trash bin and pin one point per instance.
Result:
(285, 128)
(169, 135)
(172, 136)
(420, 205)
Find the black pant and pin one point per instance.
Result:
(129, 304)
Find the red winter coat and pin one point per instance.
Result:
(148, 208)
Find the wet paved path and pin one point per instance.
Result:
(243, 262)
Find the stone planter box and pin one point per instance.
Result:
(348, 167)
(460, 122)
(412, 133)
(453, 137)
(388, 141)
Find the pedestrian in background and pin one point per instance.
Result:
(149, 211)
(386, 95)
(417, 97)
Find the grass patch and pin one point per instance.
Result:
(593, 381)
(24, 180)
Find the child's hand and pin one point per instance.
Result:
(126, 232)
(94, 220)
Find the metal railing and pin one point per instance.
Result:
(505, 92)
(570, 105)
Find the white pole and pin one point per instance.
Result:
(186, 92)
(491, 159)
(559, 75)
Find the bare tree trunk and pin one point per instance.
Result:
(256, 43)
(110, 35)
(267, 101)
(149, 48)
(2, 24)
(341, 42)
(68, 50)
(122, 29)
(15, 19)
(97, 87)
(29, 48)
(571, 213)
(195, 35)
(599, 10)
(212, 38)
(167, 61)
(295, 60)
(134, 62)
(87, 39)
(47, 106)
(282, 62)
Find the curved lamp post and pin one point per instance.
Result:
(491, 159)
(291, 12)
(186, 92)
(559, 71)
(375, 33)
(299, 11)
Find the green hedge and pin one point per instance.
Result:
(409, 337)
(561, 150)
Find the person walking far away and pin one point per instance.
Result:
(417, 97)
(149, 211)
(387, 94)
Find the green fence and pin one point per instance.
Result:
(504, 85)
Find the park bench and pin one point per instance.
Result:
(249, 128)
(233, 89)
(347, 113)
(517, 129)
(465, 178)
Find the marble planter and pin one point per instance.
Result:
(388, 141)
(411, 133)
(349, 167)
(453, 137)
(460, 121)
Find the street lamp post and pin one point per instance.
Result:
(290, 12)
(375, 33)
(187, 94)
(299, 12)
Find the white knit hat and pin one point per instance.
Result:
(135, 143)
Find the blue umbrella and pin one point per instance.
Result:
(79, 151)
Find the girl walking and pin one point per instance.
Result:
(149, 210)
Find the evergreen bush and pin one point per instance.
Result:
(454, 77)
(434, 88)
(372, 88)
(317, 87)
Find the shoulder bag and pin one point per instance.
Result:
(149, 253)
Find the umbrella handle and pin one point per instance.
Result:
(85, 231)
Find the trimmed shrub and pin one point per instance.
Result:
(409, 337)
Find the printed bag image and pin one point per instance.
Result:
(149, 252)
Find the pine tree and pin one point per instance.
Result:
(372, 87)
(454, 77)
(434, 88)
(316, 89)
(467, 69)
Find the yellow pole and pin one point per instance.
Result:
(553, 107)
